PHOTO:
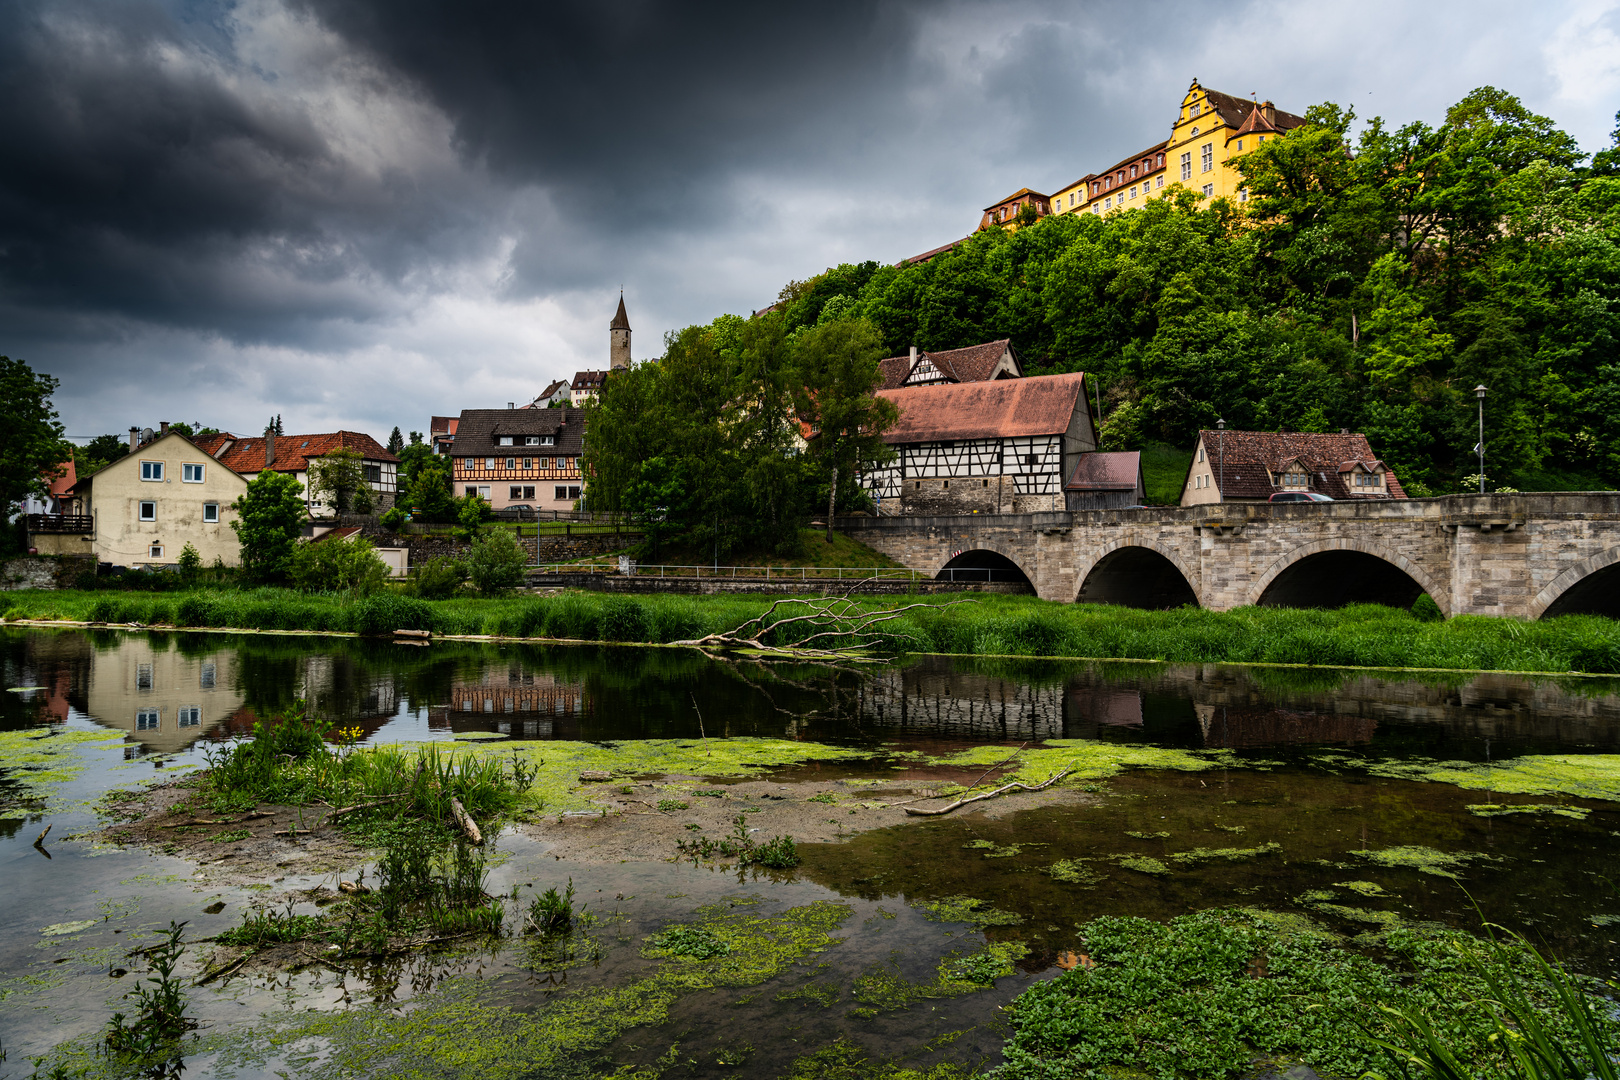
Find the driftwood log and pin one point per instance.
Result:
(831, 617)
(1002, 790)
(468, 825)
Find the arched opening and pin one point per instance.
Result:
(1332, 579)
(1598, 593)
(981, 565)
(1136, 577)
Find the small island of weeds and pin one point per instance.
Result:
(1361, 635)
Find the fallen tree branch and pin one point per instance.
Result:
(1003, 789)
(834, 617)
(365, 806)
(468, 825)
(227, 969)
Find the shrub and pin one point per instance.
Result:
(622, 620)
(335, 565)
(383, 613)
(496, 563)
(190, 561)
(393, 518)
(439, 578)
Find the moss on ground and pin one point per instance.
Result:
(1583, 776)
(1577, 813)
(1425, 860)
(966, 909)
(883, 989)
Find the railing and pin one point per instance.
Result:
(760, 573)
(61, 523)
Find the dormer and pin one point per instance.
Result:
(1292, 475)
(1364, 477)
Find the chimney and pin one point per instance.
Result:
(511, 404)
(269, 446)
(163, 428)
(914, 356)
(134, 439)
(1269, 111)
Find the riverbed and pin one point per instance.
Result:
(1362, 800)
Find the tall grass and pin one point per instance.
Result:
(1363, 635)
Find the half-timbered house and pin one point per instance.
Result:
(1252, 466)
(976, 363)
(520, 457)
(999, 447)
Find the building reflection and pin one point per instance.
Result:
(516, 702)
(164, 699)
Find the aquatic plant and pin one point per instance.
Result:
(1425, 860)
(551, 910)
(150, 1039)
(687, 942)
(269, 927)
(966, 909)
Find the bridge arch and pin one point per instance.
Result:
(1137, 573)
(983, 564)
(1343, 571)
(1591, 586)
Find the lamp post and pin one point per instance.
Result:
(1220, 452)
(1479, 392)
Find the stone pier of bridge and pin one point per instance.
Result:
(1524, 555)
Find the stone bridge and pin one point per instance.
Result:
(1522, 555)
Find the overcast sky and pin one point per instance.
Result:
(358, 213)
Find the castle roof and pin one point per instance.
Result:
(621, 321)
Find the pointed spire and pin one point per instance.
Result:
(621, 321)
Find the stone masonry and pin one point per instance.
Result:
(1496, 554)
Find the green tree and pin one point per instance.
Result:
(471, 512)
(396, 441)
(31, 442)
(426, 490)
(190, 562)
(337, 565)
(838, 372)
(98, 453)
(269, 518)
(338, 479)
(496, 563)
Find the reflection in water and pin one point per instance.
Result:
(168, 690)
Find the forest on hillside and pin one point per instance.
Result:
(1368, 283)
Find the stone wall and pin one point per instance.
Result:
(557, 547)
(45, 571)
(1476, 554)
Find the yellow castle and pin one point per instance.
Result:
(1211, 129)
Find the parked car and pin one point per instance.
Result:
(515, 512)
(1299, 496)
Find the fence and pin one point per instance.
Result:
(61, 523)
(759, 573)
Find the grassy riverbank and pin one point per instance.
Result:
(1357, 636)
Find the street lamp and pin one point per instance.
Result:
(1479, 392)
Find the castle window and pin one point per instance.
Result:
(1133, 191)
(1209, 191)
(1133, 172)
(1195, 131)
(1206, 156)
(1161, 161)
(1243, 195)
(1186, 166)
(1160, 183)
(1196, 109)
(1240, 144)
(1108, 203)
(1262, 138)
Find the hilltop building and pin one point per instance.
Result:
(587, 385)
(976, 363)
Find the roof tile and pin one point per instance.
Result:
(1003, 408)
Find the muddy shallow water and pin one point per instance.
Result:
(1304, 786)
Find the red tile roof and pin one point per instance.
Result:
(971, 364)
(442, 425)
(1118, 471)
(924, 257)
(1243, 462)
(63, 484)
(292, 451)
(1003, 408)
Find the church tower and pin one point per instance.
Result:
(619, 338)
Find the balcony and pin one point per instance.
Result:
(61, 523)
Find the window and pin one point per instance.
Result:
(514, 493)
(1243, 195)
(483, 492)
(188, 716)
(1195, 131)
(1239, 144)
(573, 492)
(528, 491)
(1031, 459)
(505, 440)
(1160, 161)
(151, 470)
(511, 463)
(528, 463)
(489, 463)
(1206, 157)
(210, 672)
(148, 719)
(372, 473)
(1133, 191)
(211, 513)
(1186, 166)
(545, 463)
(148, 510)
(1262, 138)
(1160, 183)
(1200, 453)
(191, 474)
(1108, 203)
(1071, 198)
(547, 440)
(1133, 172)
(1197, 107)
(560, 493)
(531, 440)
(471, 490)
(157, 551)
(1209, 190)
